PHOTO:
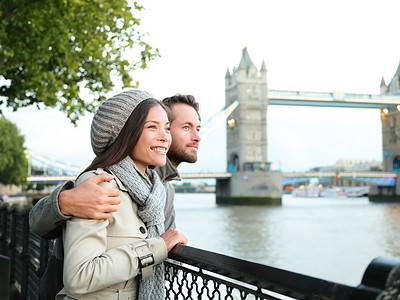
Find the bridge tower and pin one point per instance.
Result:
(251, 181)
(247, 126)
(390, 118)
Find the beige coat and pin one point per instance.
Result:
(100, 259)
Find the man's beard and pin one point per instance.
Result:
(178, 156)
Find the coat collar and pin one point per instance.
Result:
(168, 172)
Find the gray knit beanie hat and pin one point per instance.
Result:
(111, 116)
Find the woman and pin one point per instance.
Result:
(120, 258)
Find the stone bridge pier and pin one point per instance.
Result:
(252, 182)
(250, 188)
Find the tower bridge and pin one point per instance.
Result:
(252, 181)
(248, 178)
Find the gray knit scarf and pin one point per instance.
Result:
(149, 194)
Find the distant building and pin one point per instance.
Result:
(10, 189)
(192, 187)
(350, 166)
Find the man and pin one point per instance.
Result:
(91, 201)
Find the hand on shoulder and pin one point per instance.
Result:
(90, 200)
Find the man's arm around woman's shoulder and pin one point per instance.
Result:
(87, 200)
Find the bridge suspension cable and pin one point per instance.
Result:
(222, 114)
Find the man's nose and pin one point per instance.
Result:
(196, 136)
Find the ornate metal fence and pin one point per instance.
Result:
(190, 273)
(198, 274)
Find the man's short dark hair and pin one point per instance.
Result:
(182, 99)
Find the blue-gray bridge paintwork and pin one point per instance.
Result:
(331, 99)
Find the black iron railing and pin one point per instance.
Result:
(190, 273)
(198, 274)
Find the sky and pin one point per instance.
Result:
(307, 45)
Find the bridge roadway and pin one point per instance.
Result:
(226, 175)
(59, 179)
(331, 99)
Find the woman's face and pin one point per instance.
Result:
(153, 144)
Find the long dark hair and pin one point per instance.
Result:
(128, 137)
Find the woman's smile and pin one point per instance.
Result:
(159, 149)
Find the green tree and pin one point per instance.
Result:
(52, 50)
(13, 162)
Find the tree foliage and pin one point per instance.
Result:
(52, 50)
(13, 162)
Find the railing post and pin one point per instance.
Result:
(10, 237)
(38, 255)
(5, 277)
(21, 246)
(376, 275)
(378, 271)
(3, 228)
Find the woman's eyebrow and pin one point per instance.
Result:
(157, 122)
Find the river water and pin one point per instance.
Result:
(333, 239)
